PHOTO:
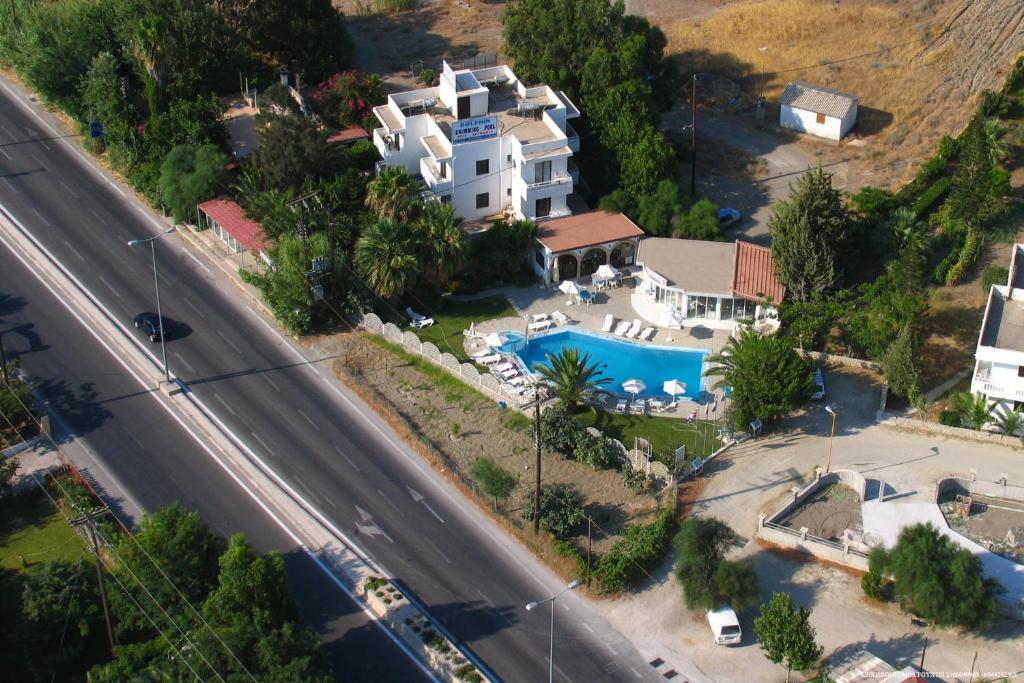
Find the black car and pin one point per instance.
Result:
(150, 324)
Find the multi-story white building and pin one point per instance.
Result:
(999, 365)
(485, 142)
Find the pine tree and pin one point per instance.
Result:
(902, 365)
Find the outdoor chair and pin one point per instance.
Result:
(639, 407)
(489, 359)
(755, 427)
(421, 323)
(622, 327)
(609, 320)
(646, 334)
(539, 325)
(621, 405)
(659, 406)
(634, 330)
(508, 374)
(413, 315)
(562, 318)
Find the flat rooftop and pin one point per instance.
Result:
(523, 117)
(693, 265)
(1004, 323)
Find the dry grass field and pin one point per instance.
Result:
(917, 65)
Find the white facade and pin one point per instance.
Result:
(999, 358)
(485, 142)
(817, 124)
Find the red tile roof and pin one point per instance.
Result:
(754, 275)
(586, 229)
(350, 134)
(229, 216)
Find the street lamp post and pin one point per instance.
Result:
(156, 280)
(834, 413)
(539, 396)
(551, 651)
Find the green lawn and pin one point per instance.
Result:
(666, 434)
(452, 317)
(32, 528)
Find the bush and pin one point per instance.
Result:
(994, 275)
(948, 147)
(707, 578)
(927, 200)
(635, 481)
(876, 587)
(966, 258)
(639, 549)
(494, 480)
(363, 154)
(950, 418)
(560, 431)
(932, 169)
(993, 104)
(597, 451)
(699, 223)
(561, 511)
(999, 183)
(427, 77)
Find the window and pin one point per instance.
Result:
(462, 110)
(446, 199)
(727, 309)
(483, 200)
(538, 256)
(508, 191)
(483, 166)
(442, 169)
(542, 172)
(543, 207)
(821, 118)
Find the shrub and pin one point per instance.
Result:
(635, 481)
(993, 104)
(999, 183)
(950, 418)
(876, 587)
(597, 451)
(948, 147)
(932, 169)
(965, 260)
(494, 480)
(561, 511)
(363, 154)
(427, 77)
(994, 275)
(639, 549)
(927, 200)
(560, 431)
(706, 576)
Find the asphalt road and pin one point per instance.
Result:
(327, 445)
(157, 462)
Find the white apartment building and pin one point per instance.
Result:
(485, 142)
(999, 365)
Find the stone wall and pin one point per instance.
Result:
(907, 424)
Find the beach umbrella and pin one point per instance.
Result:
(569, 287)
(495, 339)
(634, 386)
(606, 272)
(673, 387)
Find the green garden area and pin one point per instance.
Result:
(452, 316)
(665, 434)
(33, 531)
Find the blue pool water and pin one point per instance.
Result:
(654, 365)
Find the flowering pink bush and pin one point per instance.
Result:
(346, 98)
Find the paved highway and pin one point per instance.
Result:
(156, 462)
(324, 443)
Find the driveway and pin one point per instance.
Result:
(754, 476)
(780, 158)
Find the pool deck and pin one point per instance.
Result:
(589, 318)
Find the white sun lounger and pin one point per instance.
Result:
(481, 354)
(634, 329)
(538, 317)
(421, 323)
(621, 328)
(539, 325)
(517, 381)
(507, 365)
(562, 318)
(489, 359)
(609, 320)
(508, 374)
(413, 315)
(621, 406)
(646, 334)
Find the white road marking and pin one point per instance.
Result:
(610, 649)
(420, 498)
(390, 502)
(201, 264)
(74, 251)
(270, 382)
(94, 212)
(434, 546)
(224, 403)
(109, 286)
(134, 438)
(41, 216)
(263, 443)
(4, 152)
(13, 188)
(9, 133)
(68, 189)
(193, 307)
(184, 362)
(347, 459)
(495, 608)
(229, 342)
(38, 160)
(588, 627)
(44, 144)
(314, 424)
(307, 489)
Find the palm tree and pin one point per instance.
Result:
(572, 375)
(443, 240)
(386, 255)
(1009, 422)
(149, 36)
(392, 193)
(903, 226)
(994, 131)
(975, 410)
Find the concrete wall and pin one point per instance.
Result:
(467, 184)
(855, 480)
(797, 541)
(840, 360)
(806, 122)
(907, 424)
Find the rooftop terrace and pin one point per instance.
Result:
(521, 116)
(1004, 323)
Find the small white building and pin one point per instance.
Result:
(485, 142)
(999, 358)
(819, 111)
(576, 246)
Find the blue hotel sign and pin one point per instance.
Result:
(470, 130)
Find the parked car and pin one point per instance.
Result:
(728, 217)
(725, 627)
(149, 323)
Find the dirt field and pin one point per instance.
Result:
(828, 513)
(463, 426)
(989, 521)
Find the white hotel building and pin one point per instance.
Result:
(999, 358)
(485, 142)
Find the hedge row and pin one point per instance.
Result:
(639, 549)
(968, 255)
(933, 194)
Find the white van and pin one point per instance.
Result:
(724, 625)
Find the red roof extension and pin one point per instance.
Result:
(586, 229)
(753, 273)
(350, 134)
(229, 216)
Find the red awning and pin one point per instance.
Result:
(228, 215)
(350, 134)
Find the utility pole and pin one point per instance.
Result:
(590, 521)
(3, 359)
(693, 137)
(536, 490)
(89, 521)
(14, 14)
(923, 650)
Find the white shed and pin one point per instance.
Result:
(819, 111)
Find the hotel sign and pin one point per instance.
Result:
(470, 130)
(655, 278)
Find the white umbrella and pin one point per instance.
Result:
(495, 339)
(634, 386)
(569, 287)
(674, 386)
(606, 272)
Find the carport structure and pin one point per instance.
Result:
(242, 235)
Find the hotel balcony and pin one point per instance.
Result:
(574, 138)
(574, 171)
(1002, 388)
(384, 147)
(430, 173)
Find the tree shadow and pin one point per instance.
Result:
(898, 651)
(11, 304)
(610, 517)
(77, 405)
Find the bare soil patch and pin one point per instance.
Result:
(988, 522)
(828, 512)
(457, 425)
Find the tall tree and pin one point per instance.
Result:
(768, 378)
(386, 255)
(292, 149)
(150, 35)
(190, 175)
(786, 635)
(393, 193)
(707, 578)
(809, 235)
(968, 199)
(572, 374)
(443, 240)
(902, 366)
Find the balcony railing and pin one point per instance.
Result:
(554, 180)
(1010, 390)
(574, 138)
(556, 213)
(432, 174)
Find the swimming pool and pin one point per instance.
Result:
(623, 360)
